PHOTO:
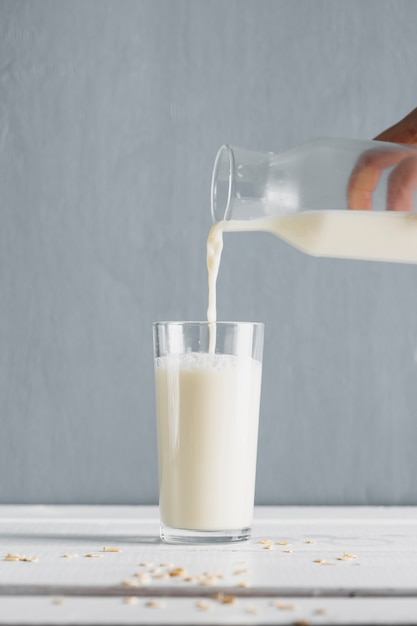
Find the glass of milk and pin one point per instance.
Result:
(208, 387)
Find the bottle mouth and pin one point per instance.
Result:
(222, 184)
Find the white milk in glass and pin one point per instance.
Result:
(208, 407)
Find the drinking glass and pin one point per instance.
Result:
(207, 399)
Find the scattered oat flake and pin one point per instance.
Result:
(319, 561)
(155, 604)
(347, 555)
(265, 541)
(228, 600)
(341, 558)
(91, 555)
(287, 551)
(243, 584)
(203, 605)
(130, 582)
(282, 543)
(20, 557)
(161, 576)
(155, 570)
(110, 549)
(177, 572)
(283, 606)
(145, 564)
(143, 577)
(162, 564)
(130, 600)
(240, 571)
(268, 547)
(69, 555)
(320, 612)
(251, 609)
(309, 541)
(58, 601)
(13, 555)
(209, 580)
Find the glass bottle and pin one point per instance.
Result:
(328, 197)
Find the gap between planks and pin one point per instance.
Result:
(143, 592)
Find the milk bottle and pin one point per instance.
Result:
(329, 197)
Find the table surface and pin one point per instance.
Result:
(304, 565)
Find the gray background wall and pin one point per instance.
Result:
(110, 117)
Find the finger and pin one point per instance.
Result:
(402, 185)
(366, 175)
(404, 131)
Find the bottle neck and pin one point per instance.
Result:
(239, 184)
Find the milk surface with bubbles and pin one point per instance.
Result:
(208, 407)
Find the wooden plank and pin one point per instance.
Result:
(44, 611)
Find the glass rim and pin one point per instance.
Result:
(206, 323)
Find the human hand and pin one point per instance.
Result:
(402, 181)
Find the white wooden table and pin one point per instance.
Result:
(366, 571)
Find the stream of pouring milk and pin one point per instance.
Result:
(214, 255)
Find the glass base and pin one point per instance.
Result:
(180, 535)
